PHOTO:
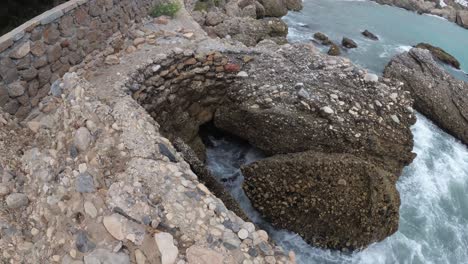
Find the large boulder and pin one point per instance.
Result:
(436, 93)
(462, 18)
(332, 200)
(440, 54)
(298, 100)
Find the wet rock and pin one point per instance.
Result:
(348, 43)
(82, 139)
(165, 243)
(438, 95)
(320, 208)
(17, 200)
(366, 33)
(440, 54)
(85, 183)
(334, 50)
(322, 38)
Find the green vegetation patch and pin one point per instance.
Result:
(166, 9)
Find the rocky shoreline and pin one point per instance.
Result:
(453, 11)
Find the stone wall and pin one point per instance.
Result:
(36, 54)
(182, 92)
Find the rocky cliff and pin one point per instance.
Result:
(437, 94)
(452, 10)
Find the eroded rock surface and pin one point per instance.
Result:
(437, 94)
(333, 197)
(320, 104)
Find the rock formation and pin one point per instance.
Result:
(247, 21)
(366, 33)
(437, 94)
(440, 54)
(348, 43)
(295, 112)
(451, 10)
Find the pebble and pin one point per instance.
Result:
(242, 74)
(17, 200)
(243, 234)
(90, 209)
(112, 60)
(165, 243)
(4, 190)
(85, 183)
(327, 110)
(114, 226)
(82, 139)
(140, 257)
(370, 77)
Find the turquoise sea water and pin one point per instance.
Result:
(397, 29)
(434, 188)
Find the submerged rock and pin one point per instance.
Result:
(366, 33)
(322, 38)
(440, 54)
(436, 93)
(334, 50)
(348, 43)
(331, 200)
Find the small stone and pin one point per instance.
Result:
(395, 119)
(370, 77)
(17, 200)
(85, 183)
(232, 67)
(90, 209)
(4, 190)
(327, 110)
(189, 35)
(162, 20)
(34, 231)
(138, 41)
(242, 74)
(342, 182)
(394, 97)
(230, 241)
(21, 51)
(131, 49)
(263, 235)
(303, 93)
(17, 88)
(167, 152)
(266, 249)
(139, 257)
(114, 226)
(200, 255)
(243, 234)
(82, 139)
(82, 243)
(165, 243)
(112, 60)
(270, 260)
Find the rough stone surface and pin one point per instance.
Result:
(437, 94)
(16, 200)
(165, 243)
